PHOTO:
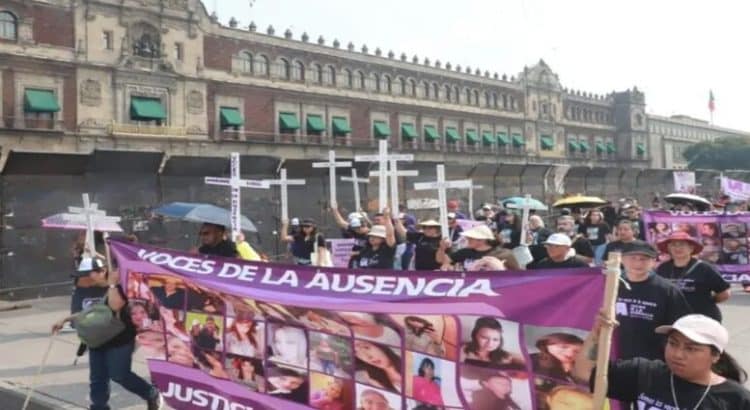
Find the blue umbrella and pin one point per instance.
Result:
(518, 202)
(203, 213)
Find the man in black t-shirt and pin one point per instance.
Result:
(558, 254)
(647, 302)
(702, 285)
(214, 241)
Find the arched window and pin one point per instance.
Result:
(426, 87)
(505, 101)
(388, 84)
(448, 93)
(318, 73)
(413, 86)
(8, 25)
(476, 97)
(435, 91)
(246, 62)
(286, 69)
(299, 71)
(262, 65)
(486, 99)
(332, 75)
(494, 100)
(376, 77)
(349, 78)
(361, 80)
(402, 85)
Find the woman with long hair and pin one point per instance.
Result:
(377, 365)
(245, 371)
(241, 337)
(288, 345)
(485, 348)
(557, 355)
(425, 384)
(305, 242)
(495, 393)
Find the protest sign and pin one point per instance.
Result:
(684, 181)
(341, 251)
(724, 237)
(737, 190)
(227, 334)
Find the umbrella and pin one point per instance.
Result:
(518, 202)
(679, 198)
(579, 201)
(78, 222)
(204, 213)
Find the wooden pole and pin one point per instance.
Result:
(605, 336)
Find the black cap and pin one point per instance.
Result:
(639, 247)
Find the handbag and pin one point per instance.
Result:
(325, 257)
(98, 324)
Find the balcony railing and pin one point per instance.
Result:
(31, 123)
(146, 130)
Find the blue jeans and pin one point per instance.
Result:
(114, 364)
(329, 366)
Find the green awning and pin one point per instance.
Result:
(451, 134)
(430, 133)
(315, 123)
(584, 146)
(381, 129)
(341, 126)
(487, 138)
(611, 149)
(230, 117)
(472, 137)
(640, 149)
(547, 142)
(600, 147)
(147, 109)
(288, 121)
(40, 101)
(574, 146)
(518, 140)
(408, 131)
(502, 138)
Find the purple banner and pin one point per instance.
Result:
(724, 237)
(341, 251)
(230, 334)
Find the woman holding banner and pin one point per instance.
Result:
(305, 243)
(380, 250)
(702, 285)
(697, 372)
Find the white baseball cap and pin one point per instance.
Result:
(700, 329)
(560, 239)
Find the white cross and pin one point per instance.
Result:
(355, 184)
(382, 158)
(526, 210)
(394, 173)
(332, 165)
(471, 197)
(441, 185)
(235, 182)
(283, 184)
(92, 215)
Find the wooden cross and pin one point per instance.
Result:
(355, 184)
(394, 173)
(441, 185)
(284, 183)
(332, 165)
(92, 215)
(382, 158)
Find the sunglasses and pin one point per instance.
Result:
(307, 226)
(204, 233)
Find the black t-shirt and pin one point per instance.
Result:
(614, 246)
(595, 233)
(455, 233)
(128, 334)
(548, 263)
(224, 248)
(698, 286)
(640, 310)
(360, 239)
(382, 258)
(467, 256)
(302, 248)
(583, 247)
(647, 383)
(424, 250)
(511, 237)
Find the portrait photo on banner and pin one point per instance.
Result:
(431, 380)
(435, 335)
(491, 342)
(331, 355)
(329, 392)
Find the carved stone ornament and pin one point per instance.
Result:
(195, 102)
(91, 93)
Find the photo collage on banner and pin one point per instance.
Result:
(357, 360)
(723, 243)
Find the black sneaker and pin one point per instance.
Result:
(156, 402)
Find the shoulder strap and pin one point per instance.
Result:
(697, 262)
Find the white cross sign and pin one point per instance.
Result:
(93, 215)
(441, 185)
(355, 184)
(235, 182)
(332, 165)
(283, 184)
(382, 158)
(471, 196)
(394, 173)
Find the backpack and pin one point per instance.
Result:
(98, 324)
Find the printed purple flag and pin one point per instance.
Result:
(227, 334)
(724, 237)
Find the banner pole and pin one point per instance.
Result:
(605, 336)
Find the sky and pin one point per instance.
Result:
(674, 51)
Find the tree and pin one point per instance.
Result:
(722, 154)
